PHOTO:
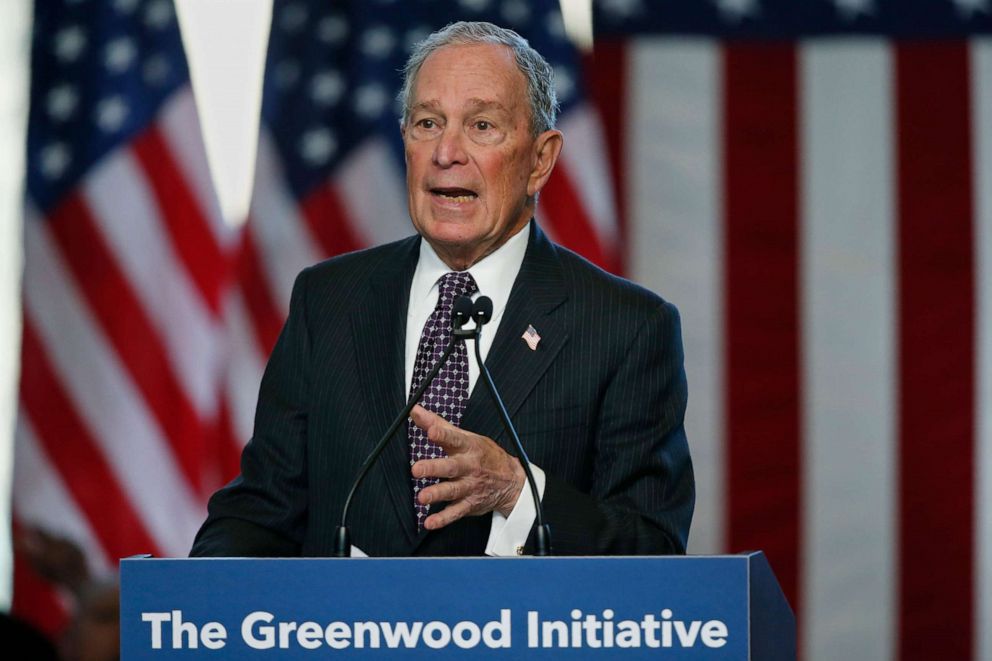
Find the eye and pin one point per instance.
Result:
(483, 125)
(427, 123)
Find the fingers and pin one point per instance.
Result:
(440, 431)
(445, 467)
(448, 515)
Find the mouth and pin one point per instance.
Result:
(457, 195)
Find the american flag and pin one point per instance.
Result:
(122, 427)
(809, 181)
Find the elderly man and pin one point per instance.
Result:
(590, 365)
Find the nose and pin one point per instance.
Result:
(450, 149)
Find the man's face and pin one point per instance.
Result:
(472, 162)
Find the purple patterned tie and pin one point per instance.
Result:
(448, 394)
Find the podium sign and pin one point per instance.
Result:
(721, 607)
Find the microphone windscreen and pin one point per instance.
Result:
(461, 311)
(483, 310)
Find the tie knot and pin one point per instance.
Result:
(454, 284)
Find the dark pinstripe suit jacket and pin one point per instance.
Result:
(599, 406)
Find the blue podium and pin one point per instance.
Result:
(712, 607)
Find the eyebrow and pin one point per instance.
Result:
(474, 104)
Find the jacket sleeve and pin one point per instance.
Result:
(643, 491)
(262, 512)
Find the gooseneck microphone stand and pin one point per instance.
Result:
(461, 312)
(482, 313)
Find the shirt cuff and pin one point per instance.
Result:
(508, 534)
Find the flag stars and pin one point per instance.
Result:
(286, 74)
(326, 88)
(515, 11)
(70, 43)
(125, 7)
(317, 146)
(332, 30)
(968, 8)
(370, 101)
(735, 11)
(852, 9)
(564, 84)
(61, 102)
(621, 9)
(54, 159)
(475, 5)
(378, 42)
(156, 70)
(414, 36)
(111, 113)
(158, 14)
(119, 55)
(555, 25)
(293, 17)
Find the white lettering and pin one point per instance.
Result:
(156, 619)
(497, 634)
(436, 635)
(469, 641)
(714, 634)
(532, 624)
(179, 628)
(628, 634)
(401, 631)
(213, 635)
(337, 635)
(372, 629)
(285, 628)
(267, 641)
(309, 635)
(687, 637)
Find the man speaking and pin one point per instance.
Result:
(589, 365)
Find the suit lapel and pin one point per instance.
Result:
(536, 295)
(379, 335)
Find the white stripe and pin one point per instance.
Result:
(849, 318)
(676, 237)
(180, 128)
(125, 211)
(585, 160)
(111, 408)
(41, 499)
(284, 244)
(371, 188)
(244, 370)
(981, 68)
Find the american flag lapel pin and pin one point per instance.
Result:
(531, 337)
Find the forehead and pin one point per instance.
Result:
(458, 73)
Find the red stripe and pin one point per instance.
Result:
(266, 317)
(75, 454)
(328, 222)
(192, 237)
(119, 311)
(762, 333)
(570, 224)
(936, 351)
(606, 73)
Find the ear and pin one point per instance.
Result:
(547, 147)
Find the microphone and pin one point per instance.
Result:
(461, 312)
(482, 313)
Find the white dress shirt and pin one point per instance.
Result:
(494, 276)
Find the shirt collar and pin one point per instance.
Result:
(494, 274)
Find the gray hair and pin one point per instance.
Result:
(536, 70)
